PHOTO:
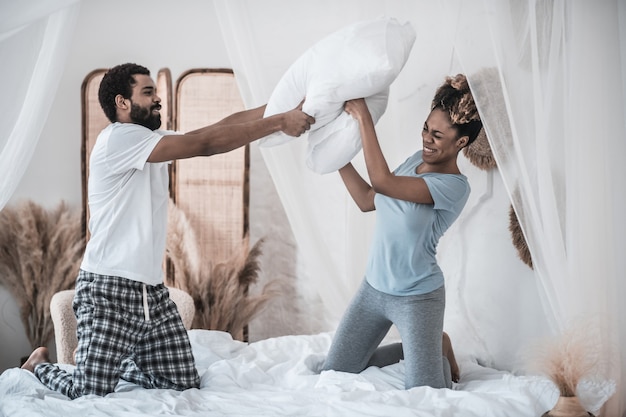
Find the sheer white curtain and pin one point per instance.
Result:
(263, 39)
(548, 77)
(554, 112)
(34, 41)
(552, 102)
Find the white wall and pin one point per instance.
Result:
(184, 34)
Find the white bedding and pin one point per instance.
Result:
(276, 377)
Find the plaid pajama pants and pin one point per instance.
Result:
(126, 330)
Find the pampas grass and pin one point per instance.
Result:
(219, 291)
(570, 357)
(40, 254)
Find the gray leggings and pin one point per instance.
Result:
(419, 319)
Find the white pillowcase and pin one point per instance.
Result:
(360, 60)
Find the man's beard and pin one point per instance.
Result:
(143, 116)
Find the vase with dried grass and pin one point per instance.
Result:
(219, 290)
(40, 254)
(566, 360)
(568, 407)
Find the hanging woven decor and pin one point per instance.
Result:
(487, 89)
(519, 241)
(479, 152)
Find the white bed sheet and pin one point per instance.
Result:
(277, 377)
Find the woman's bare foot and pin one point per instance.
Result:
(448, 352)
(39, 355)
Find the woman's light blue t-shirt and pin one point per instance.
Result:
(402, 257)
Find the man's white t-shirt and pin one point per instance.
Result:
(128, 202)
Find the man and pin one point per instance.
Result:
(127, 325)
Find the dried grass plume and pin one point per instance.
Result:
(219, 290)
(571, 357)
(40, 254)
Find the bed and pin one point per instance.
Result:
(278, 377)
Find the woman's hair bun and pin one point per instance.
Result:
(455, 97)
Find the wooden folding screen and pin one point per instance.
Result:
(164, 91)
(212, 192)
(93, 121)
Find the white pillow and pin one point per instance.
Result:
(360, 60)
(335, 144)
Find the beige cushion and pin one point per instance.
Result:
(64, 320)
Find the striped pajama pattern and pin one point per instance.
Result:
(118, 339)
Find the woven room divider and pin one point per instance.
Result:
(212, 192)
(93, 121)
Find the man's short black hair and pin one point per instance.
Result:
(118, 80)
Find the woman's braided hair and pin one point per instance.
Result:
(455, 98)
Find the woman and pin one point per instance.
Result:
(416, 204)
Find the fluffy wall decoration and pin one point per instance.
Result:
(486, 86)
(519, 241)
(220, 291)
(40, 254)
(479, 152)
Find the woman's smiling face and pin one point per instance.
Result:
(440, 141)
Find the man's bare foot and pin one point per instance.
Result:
(39, 355)
(448, 352)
